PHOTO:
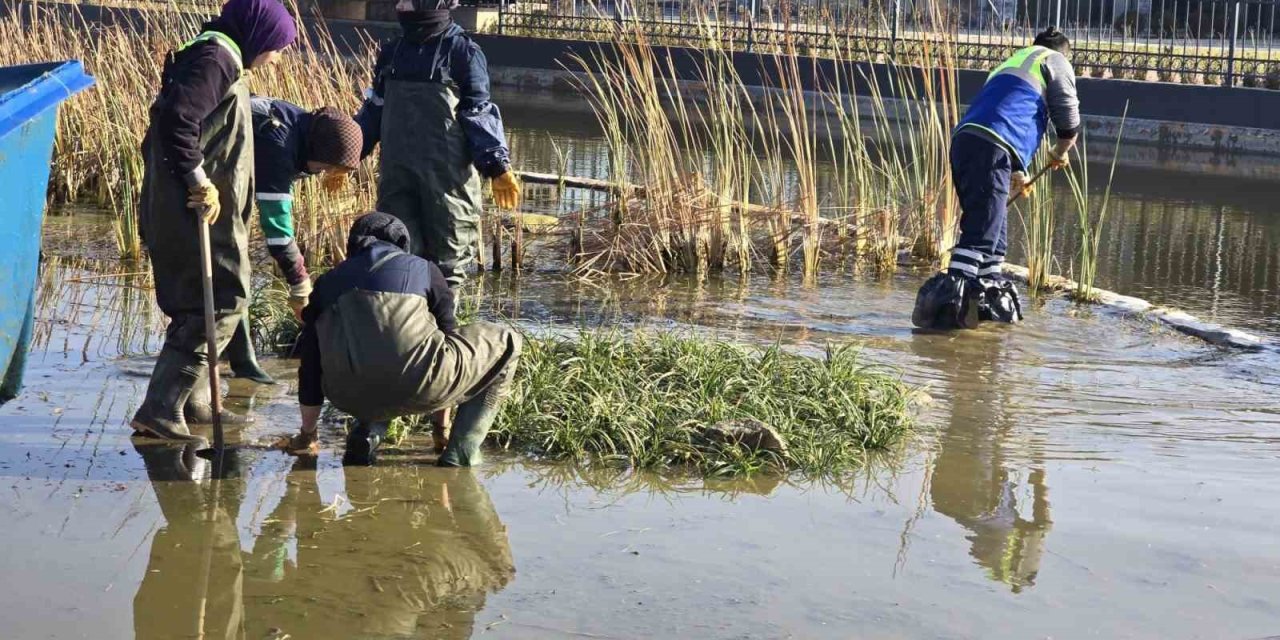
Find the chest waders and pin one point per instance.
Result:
(383, 356)
(427, 177)
(171, 236)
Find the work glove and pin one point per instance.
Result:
(1060, 155)
(506, 191)
(203, 199)
(299, 294)
(1018, 185)
(333, 181)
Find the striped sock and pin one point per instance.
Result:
(965, 262)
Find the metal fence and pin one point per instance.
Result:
(1223, 42)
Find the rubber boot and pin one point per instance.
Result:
(472, 421)
(199, 406)
(363, 442)
(161, 413)
(242, 358)
(999, 301)
(947, 301)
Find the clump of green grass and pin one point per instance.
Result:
(642, 400)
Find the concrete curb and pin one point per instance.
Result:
(1181, 321)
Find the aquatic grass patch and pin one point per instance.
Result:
(648, 401)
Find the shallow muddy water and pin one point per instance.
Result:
(1080, 475)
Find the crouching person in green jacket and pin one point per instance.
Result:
(380, 340)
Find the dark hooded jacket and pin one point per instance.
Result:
(377, 263)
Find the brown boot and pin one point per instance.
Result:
(160, 415)
(199, 406)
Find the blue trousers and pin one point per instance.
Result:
(980, 171)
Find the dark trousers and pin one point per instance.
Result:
(980, 171)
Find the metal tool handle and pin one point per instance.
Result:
(211, 340)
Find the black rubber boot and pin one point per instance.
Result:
(947, 301)
(999, 301)
(199, 406)
(161, 413)
(363, 442)
(242, 358)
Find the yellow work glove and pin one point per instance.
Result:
(203, 199)
(1018, 184)
(333, 181)
(506, 191)
(299, 294)
(1060, 155)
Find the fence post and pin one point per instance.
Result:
(893, 28)
(1057, 14)
(1231, 50)
(502, 10)
(751, 27)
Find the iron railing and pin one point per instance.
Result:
(1224, 42)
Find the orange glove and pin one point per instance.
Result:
(203, 199)
(1018, 184)
(1060, 154)
(506, 191)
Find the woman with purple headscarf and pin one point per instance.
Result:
(199, 163)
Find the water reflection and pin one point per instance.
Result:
(397, 551)
(987, 476)
(194, 582)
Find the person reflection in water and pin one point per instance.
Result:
(193, 587)
(978, 480)
(415, 555)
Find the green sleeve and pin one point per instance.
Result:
(276, 217)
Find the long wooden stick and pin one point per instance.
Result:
(211, 344)
(1043, 170)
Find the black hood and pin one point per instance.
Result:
(372, 228)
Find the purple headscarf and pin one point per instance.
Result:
(257, 26)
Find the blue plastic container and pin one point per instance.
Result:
(29, 98)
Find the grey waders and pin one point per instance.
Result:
(169, 231)
(427, 176)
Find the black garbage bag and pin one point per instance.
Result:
(947, 302)
(999, 301)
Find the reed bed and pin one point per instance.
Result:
(1091, 213)
(803, 178)
(97, 157)
(726, 177)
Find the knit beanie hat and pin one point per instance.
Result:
(334, 139)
